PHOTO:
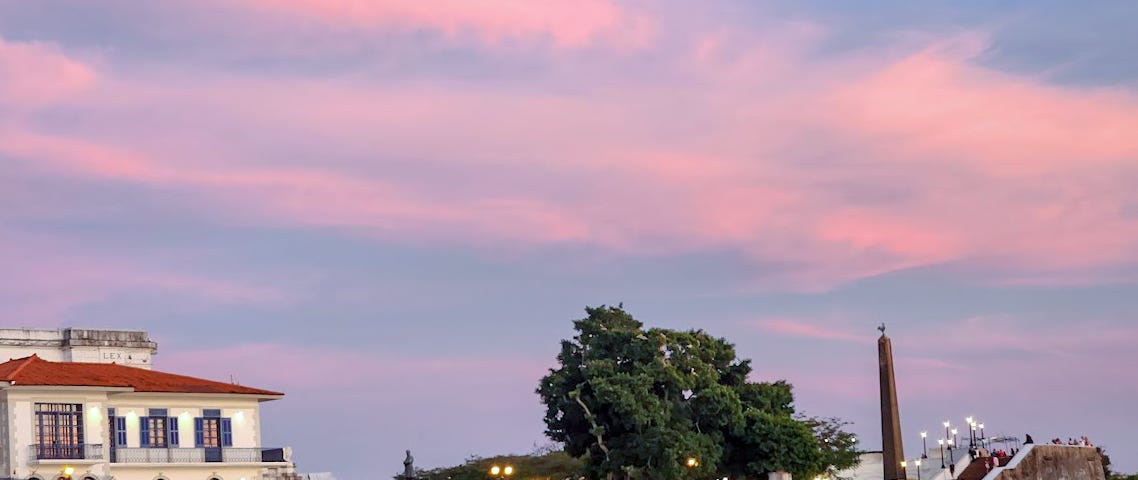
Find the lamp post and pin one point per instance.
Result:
(918, 462)
(954, 440)
(984, 438)
(946, 435)
(941, 443)
(924, 445)
(502, 472)
(951, 459)
(971, 432)
(904, 472)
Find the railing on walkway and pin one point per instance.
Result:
(197, 455)
(66, 452)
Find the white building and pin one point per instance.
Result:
(102, 421)
(124, 347)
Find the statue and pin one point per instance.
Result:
(409, 466)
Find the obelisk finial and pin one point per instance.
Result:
(882, 328)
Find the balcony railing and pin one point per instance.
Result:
(66, 452)
(197, 455)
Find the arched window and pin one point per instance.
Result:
(214, 477)
(89, 477)
(35, 477)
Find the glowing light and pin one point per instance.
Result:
(509, 470)
(239, 417)
(68, 471)
(692, 462)
(495, 470)
(924, 434)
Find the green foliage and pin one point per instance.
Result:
(839, 448)
(636, 403)
(539, 466)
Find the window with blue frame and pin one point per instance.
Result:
(211, 430)
(59, 430)
(153, 429)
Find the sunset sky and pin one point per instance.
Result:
(392, 210)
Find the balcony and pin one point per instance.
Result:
(197, 455)
(68, 453)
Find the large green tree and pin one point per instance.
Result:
(639, 403)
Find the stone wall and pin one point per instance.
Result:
(124, 347)
(1052, 462)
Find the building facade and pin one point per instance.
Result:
(124, 347)
(102, 421)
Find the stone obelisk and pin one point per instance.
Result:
(891, 450)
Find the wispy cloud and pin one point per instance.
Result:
(806, 329)
(564, 23)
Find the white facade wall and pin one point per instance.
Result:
(18, 460)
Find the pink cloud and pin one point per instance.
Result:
(39, 73)
(566, 23)
(934, 105)
(799, 328)
(485, 381)
(988, 169)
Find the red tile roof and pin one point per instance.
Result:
(34, 370)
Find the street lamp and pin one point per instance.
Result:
(951, 456)
(691, 462)
(918, 462)
(972, 435)
(954, 441)
(924, 445)
(941, 443)
(984, 438)
(502, 472)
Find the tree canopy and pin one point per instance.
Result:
(639, 403)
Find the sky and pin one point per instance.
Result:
(392, 211)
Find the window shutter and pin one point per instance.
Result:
(172, 432)
(120, 431)
(144, 431)
(199, 438)
(226, 432)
